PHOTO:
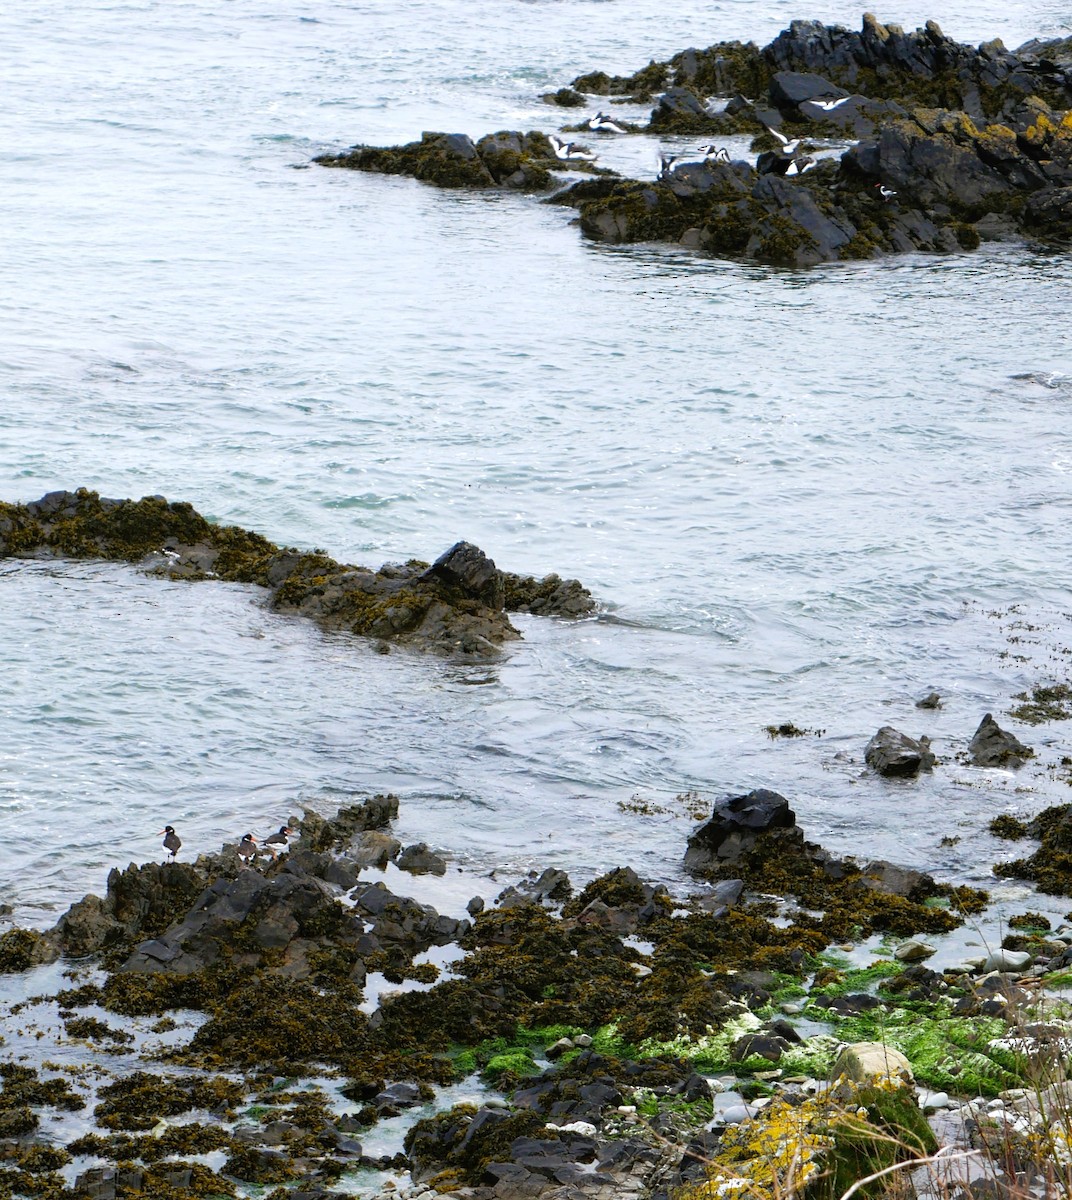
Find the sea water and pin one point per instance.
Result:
(799, 496)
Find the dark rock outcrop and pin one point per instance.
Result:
(735, 826)
(455, 605)
(896, 754)
(992, 746)
(511, 160)
(420, 860)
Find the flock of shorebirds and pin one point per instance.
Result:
(248, 847)
(788, 161)
(602, 122)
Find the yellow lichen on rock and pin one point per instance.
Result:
(843, 1132)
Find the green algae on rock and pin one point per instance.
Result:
(456, 605)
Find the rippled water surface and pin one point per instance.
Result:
(800, 496)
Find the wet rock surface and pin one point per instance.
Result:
(517, 161)
(952, 141)
(618, 1030)
(895, 754)
(993, 746)
(458, 605)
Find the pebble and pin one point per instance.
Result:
(584, 1040)
(933, 1099)
(791, 1009)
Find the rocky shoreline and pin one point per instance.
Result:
(241, 1030)
(948, 145)
(456, 605)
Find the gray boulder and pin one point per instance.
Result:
(790, 88)
(421, 861)
(896, 755)
(992, 746)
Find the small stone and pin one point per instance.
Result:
(913, 951)
(930, 700)
(933, 1100)
(557, 1049)
(791, 1009)
(737, 1113)
(583, 1040)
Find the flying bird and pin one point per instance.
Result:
(602, 123)
(567, 150)
(828, 104)
(718, 153)
(789, 146)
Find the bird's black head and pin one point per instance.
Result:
(169, 829)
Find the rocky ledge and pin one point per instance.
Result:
(954, 144)
(511, 160)
(613, 1041)
(931, 180)
(458, 604)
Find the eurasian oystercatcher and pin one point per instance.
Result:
(247, 848)
(602, 123)
(789, 146)
(277, 843)
(568, 150)
(172, 842)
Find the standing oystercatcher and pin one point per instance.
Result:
(172, 842)
(719, 153)
(247, 848)
(277, 843)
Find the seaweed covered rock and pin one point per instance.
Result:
(280, 920)
(551, 596)
(139, 901)
(455, 605)
(1050, 867)
(517, 161)
(755, 838)
(735, 827)
(877, 61)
